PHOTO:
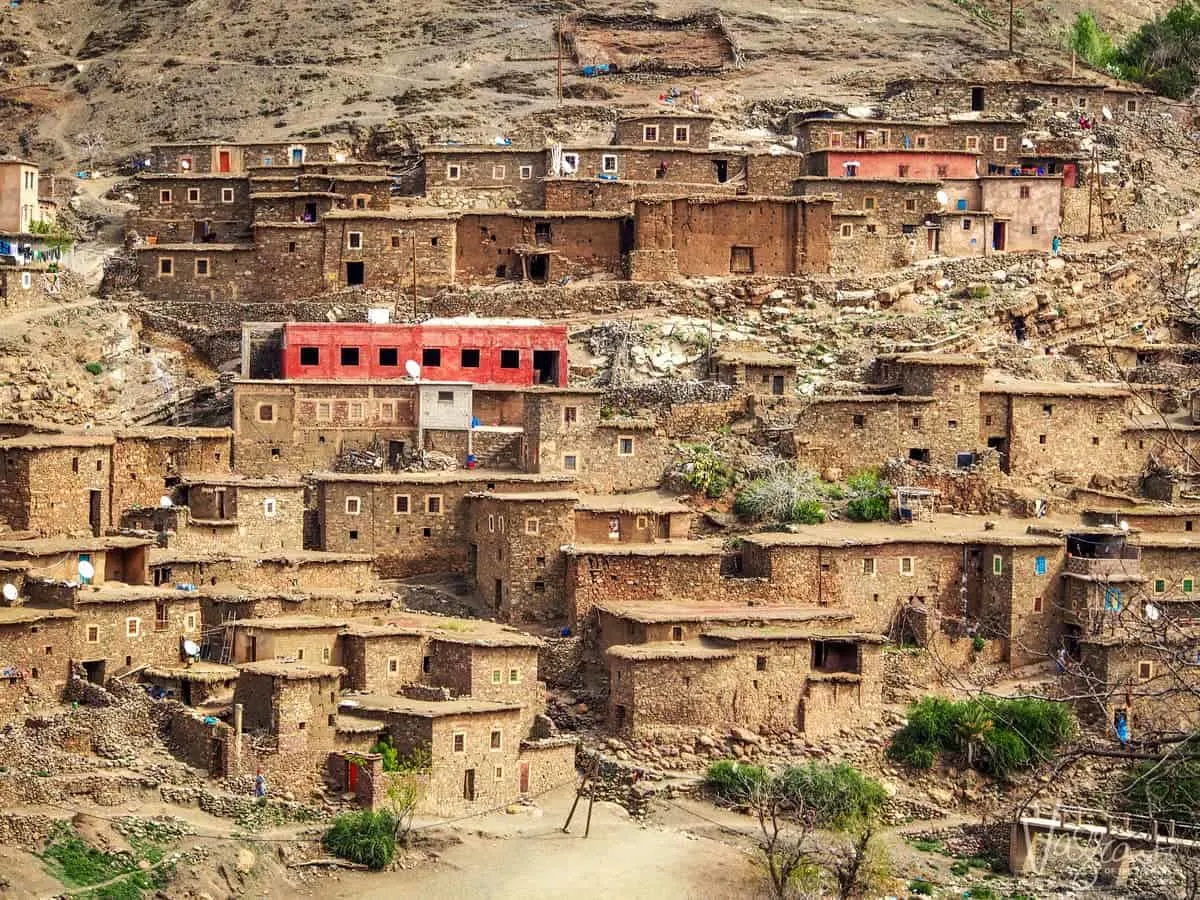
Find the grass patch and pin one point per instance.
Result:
(80, 866)
(364, 837)
(921, 886)
(925, 845)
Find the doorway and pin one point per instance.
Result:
(999, 234)
(498, 598)
(472, 560)
(310, 212)
(721, 170)
(253, 648)
(219, 500)
(933, 240)
(85, 558)
(186, 693)
(224, 161)
(94, 669)
(355, 273)
(469, 784)
(545, 366)
(1000, 445)
(395, 454)
(524, 770)
(94, 512)
(539, 267)
(977, 98)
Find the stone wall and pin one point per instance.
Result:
(495, 248)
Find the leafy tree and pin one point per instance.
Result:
(1089, 41)
(870, 497)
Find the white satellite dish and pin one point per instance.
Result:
(191, 648)
(164, 502)
(1123, 525)
(943, 198)
(10, 592)
(1151, 612)
(86, 569)
(413, 369)
(1106, 112)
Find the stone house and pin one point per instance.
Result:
(198, 207)
(484, 177)
(752, 371)
(19, 205)
(148, 461)
(236, 514)
(302, 638)
(27, 286)
(293, 571)
(677, 129)
(56, 483)
(999, 140)
(36, 645)
(766, 679)
(540, 246)
(120, 628)
(1012, 96)
(411, 523)
(113, 558)
(378, 248)
(231, 158)
(639, 518)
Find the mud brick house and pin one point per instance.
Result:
(752, 371)
(513, 556)
(1009, 96)
(665, 129)
(222, 605)
(411, 523)
(640, 518)
(122, 559)
(880, 162)
(292, 571)
(24, 287)
(56, 483)
(147, 462)
(484, 177)
(730, 236)
(301, 638)
(1143, 517)
(540, 246)
(767, 679)
(239, 157)
(194, 683)
(122, 627)
(19, 205)
(378, 248)
(199, 207)
(29, 675)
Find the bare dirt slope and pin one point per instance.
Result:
(139, 71)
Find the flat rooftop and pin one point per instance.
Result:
(44, 441)
(54, 546)
(166, 556)
(451, 477)
(639, 502)
(775, 633)
(289, 623)
(996, 384)
(463, 631)
(669, 650)
(944, 529)
(708, 547)
(657, 613)
(528, 496)
(426, 709)
(22, 615)
(293, 671)
(241, 481)
(199, 672)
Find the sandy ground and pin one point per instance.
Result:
(520, 857)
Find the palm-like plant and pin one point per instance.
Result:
(972, 730)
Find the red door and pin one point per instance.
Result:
(351, 777)
(524, 778)
(223, 161)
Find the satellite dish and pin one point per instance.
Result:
(10, 592)
(86, 569)
(1152, 612)
(164, 502)
(413, 369)
(943, 198)
(1106, 112)
(191, 648)
(1123, 525)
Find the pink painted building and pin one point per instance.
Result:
(894, 163)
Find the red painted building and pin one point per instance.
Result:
(482, 351)
(881, 163)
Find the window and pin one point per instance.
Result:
(922, 141)
(847, 230)
(1112, 599)
(1054, 100)
(1024, 192)
(353, 506)
(624, 446)
(872, 229)
(952, 424)
(868, 202)
(431, 356)
(571, 161)
(1037, 604)
(400, 505)
(570, 415)
(395, 242)
(510, 359)
(683, 134)
(1160, 586)
(902, 171)
(1081, 102)
(884, 137)
(453, 172)
(356, 411)
(1041, 439)
(470, 359)
(1131, 105)
(539, 587)
(164, 196)
(166, 266)
(973, 142)
(291, 246)
(570, 462)
(310, 356)
(1187, 585)
(133, 627)
(760, 663)
(498, 172)
(910, 205)
(1033, 229)
(514, 676)
(348, 356)
(226, 195)
(533, 525)
(942, 171)
(496, 739)
(1145, 670)
(322, 416)
(906, 565)
(433, 504)
(650, 134)
(526, 172)
(966, 224)
(868, 565)
(860, 421)
(1039, 565)
(193, 195)
(202, 268)
(460, 742)
(608, 162)
(997, 564)
(93, 634)
(445, 398)
(269, 507)
(1000, 143)
(354, 240)
(499, 773)
(835, 139)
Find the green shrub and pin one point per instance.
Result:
(959, 867)
(705, 471)
(980, 292)
(870, 498)
(840, 796)
(921, 886)
(1167, 788)
(94, 368)
(366, 837)
(391, 756)
(734, 781)
(807, 512)
(926, 845)
(978, 643)
(785, 494)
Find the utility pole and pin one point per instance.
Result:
(1010, 26)
(559, 43)
(414, 271)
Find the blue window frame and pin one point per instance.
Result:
(1112, 599)
(1039, 566)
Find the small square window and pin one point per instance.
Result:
(1081, 102)
(1025, 192)
(868, 203)
(1095, 441)
(93, 634)
(608, 163)
(570, 415)
(1000, 142)
(760, 663)
(453, 172)
(226, 195)
(1037, 604)
(445, 398)
(1131, 105)
(533, 525)
(310, 356)
(922, 141)
(835, 139)
(846, 230)
(650, 134)
(902, 171)
(202, 269)
(910, 205)
(952, 424)
(470, 359)
(400, 504)
(539, 587)
(353, 506)
(133, 627)
(354, 240)
(497, 676)
(496, 739)
(460, 742)
(349, 356)
(1034, 229)
(997, 564)
(1039, 565)
(433, 504)
(164, 196)
(353, 534)
(1145, 670)
(1160, 586)
(498, 173)
(269, 507)
(973, 142)
(1041, 439)
(907, 565)
(514, 676)
(966, 224)
(395, 242)
(193, 195)
(860, 420)
(624, 446)
(526, 172)
(868, 565)
(431, 356)
(570, 462)
(510, 359)
(166, 266)
(1187, 585)
(683, 134)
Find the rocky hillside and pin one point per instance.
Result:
(131, 72)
